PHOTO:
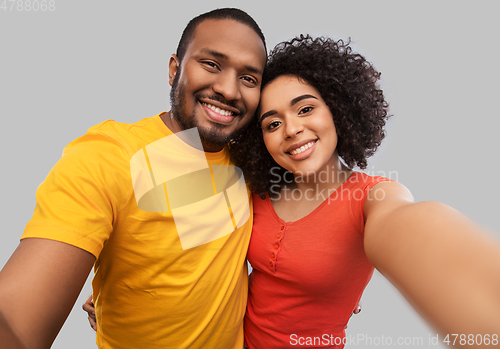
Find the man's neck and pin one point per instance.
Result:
(174, 126)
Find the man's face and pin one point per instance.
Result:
(216, 88)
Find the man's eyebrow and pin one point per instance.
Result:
(214, 53)
(299, 98)
(254, 70)
(221, 55)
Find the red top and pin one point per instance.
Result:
(308, 275)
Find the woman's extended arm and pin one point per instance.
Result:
(443, 264)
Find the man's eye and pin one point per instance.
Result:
(210, 64)
(249, 79)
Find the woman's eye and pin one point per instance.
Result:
(273, 125)
(305, 110)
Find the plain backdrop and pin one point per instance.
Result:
(66, 70)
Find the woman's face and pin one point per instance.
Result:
(298, 127)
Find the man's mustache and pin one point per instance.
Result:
(222, 100)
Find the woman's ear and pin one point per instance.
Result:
(173, 67)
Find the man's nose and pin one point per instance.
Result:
(228, 85)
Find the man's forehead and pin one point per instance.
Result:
(219, 25)
(223, 35)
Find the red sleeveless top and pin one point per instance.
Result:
(308, 275)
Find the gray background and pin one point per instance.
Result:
(63, 71)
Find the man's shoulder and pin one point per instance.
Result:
(149, 129)
(129, 137)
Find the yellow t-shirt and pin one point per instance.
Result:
(169, 226)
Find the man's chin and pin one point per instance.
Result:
(214, 140)
(211, 134)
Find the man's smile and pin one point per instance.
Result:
(219, 112)
(217, 109)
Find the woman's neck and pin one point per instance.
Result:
(298, 199)
(323, 182)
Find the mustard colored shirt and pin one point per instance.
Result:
(169, 226)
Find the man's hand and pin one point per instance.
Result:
(89, 307)
(357, 309)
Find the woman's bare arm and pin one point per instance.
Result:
(444, 265)
(38, 287)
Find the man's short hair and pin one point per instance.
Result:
(220, 13)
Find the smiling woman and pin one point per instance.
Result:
(345, 81)
(299, 132)
(322, 113)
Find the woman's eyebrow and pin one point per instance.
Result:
(299, 98)
(266, 114)
(292, 102)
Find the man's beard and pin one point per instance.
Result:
(211, 136)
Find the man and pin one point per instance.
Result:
(165, 224)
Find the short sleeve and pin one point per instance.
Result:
(79, 201)
(362, 183)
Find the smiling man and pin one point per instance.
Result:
(154, 206)
(216, 85)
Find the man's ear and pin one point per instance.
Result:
(173, 66)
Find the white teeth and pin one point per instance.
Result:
(218, 110)
(301, 149)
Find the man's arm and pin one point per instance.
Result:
(441, 262)
(38, 287)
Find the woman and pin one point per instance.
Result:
(320, 227)
(300, 270)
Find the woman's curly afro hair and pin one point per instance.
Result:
(348, 84)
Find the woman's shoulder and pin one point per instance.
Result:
(362, 179)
